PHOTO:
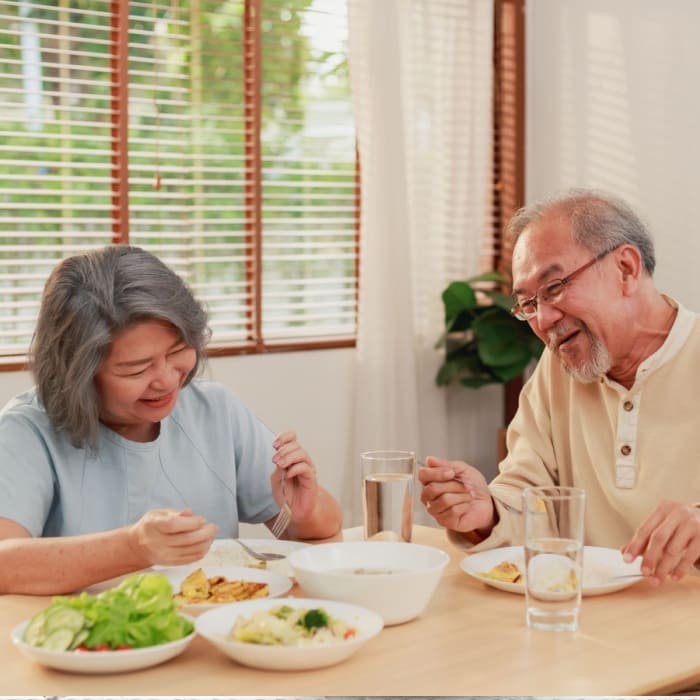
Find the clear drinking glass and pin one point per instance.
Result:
(388, 478)
(553, 556)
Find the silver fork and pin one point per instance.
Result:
(283, 519)
(261, 556)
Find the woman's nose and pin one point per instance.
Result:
(165, 376)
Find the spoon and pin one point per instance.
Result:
(261, 556)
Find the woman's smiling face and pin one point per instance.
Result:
(140, 379)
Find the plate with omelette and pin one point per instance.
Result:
(198, 588)
(504, 568)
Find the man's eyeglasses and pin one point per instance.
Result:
(551, 292)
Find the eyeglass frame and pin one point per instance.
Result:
(536, 298)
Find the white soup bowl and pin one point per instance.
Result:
(395, 579)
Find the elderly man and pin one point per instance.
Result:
(614, 403)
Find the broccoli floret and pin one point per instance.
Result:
(315, 618)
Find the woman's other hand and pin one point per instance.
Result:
(294, 478)
(315, 513)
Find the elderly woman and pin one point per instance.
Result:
(119, 458)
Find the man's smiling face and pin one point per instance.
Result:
(574, 327)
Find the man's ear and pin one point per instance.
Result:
(629, 265)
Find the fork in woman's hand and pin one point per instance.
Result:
(284, 518)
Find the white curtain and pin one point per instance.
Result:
(421, 77)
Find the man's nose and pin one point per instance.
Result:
(547, 315)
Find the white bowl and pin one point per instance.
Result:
(215, 626)
(399, 579)
(117, 661)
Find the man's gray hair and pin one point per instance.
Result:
(599, 222)
(87, 300)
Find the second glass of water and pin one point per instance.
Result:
(387, 488)
(553, 556)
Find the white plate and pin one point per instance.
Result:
(277, 584)
(600, 564)
(215, 626)
(227, 552)
(100, 661)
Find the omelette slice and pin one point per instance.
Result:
(504, 571)
(195, 587)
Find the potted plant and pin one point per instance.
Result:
(484, 343)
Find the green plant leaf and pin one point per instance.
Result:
(500, 299)
(447, 373)
(500, 342)
(476, 382)
(494, 347)
(462, 361)
(456, 298)
(507, 372)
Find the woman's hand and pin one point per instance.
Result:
(294, 478)
(456, 495)
(668, 541)
(168, 536)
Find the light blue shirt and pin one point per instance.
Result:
(212, 455)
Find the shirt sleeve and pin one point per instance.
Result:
(530, 462)
(26, 475)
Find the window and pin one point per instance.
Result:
(216, 134)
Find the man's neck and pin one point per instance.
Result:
(648, 335)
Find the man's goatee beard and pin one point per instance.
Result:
(595, 368)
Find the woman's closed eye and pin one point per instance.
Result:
(178, 349)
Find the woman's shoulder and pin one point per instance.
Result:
(25, 404)
(24, 411)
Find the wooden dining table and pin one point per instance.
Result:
(471, 640)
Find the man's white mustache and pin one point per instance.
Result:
(557, 333)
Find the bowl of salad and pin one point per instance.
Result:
(131, 626)
(289, 634)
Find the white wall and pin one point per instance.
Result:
(613, 103)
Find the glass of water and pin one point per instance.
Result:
(388, 478)
(553, 556)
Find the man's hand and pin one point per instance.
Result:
(457, 496)
(668, 541)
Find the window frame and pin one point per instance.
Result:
(254, 343)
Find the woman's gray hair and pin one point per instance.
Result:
(87, 300)
(599, 222)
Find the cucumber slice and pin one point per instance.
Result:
(79, 638)
(64, 617)
(34, 632)
(59, 640)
